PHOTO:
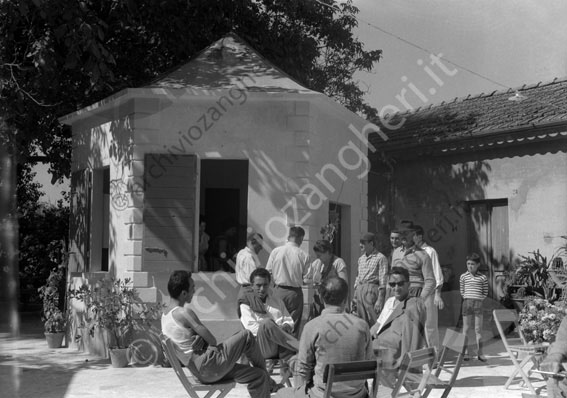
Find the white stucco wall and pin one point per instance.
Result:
(287, 142)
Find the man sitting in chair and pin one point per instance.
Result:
(198, 350)
(400, 326)
(267, 318)
(332, 337)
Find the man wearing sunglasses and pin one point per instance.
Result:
(400, 326)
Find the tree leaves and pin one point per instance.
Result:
(69, 54)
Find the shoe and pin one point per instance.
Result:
(467, 358)
(481, 358)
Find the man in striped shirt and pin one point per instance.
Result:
(474, 289)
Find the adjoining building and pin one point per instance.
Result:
(486, 174)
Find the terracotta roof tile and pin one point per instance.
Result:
(539, 104)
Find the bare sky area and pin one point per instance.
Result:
(497, 45)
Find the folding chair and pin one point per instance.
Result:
(412, 375)
(189, 382)
(349, 371)
(453, 343)
(285, 372)
(521, 354)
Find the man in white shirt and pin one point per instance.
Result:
(289, 266)
(268, 318)
(433, 303)
(247, 259)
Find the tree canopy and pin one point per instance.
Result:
(61, 55)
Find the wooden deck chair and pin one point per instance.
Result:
(412, 375)
(453, 343)
(192, 386)
(520, 353)
(350, 371)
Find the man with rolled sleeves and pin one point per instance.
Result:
(289, 265)
(370, 283)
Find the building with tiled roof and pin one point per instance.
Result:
(486, 173)
(226, 135)
(497, 118)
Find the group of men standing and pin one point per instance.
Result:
(411, 252)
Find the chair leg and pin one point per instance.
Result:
(285, 373)
(519, 368)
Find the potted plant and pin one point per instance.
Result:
(539, 320)
(531, 276)
(53, 314)
(113, 305)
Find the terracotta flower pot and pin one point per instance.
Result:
(54, 340)
(119, 357)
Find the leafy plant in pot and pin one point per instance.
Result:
(53, 313)
(113, 305)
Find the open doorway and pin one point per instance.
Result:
(224, 207)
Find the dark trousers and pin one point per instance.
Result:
(274, 342)
(292, 297)
(219, 363)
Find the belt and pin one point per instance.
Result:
(288, 287)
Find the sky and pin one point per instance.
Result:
(498, 44)
(495, 44)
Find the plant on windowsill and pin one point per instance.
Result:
(113, 305)
(53, 314)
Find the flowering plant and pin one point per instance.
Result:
(539, 320)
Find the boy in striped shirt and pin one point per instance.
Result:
(474, 289)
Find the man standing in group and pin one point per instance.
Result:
(370, 284)
(247, 260)
(418, 264)
(268, 320)
(397, 247)
(288, 265)
(434, 302)
(334, 336)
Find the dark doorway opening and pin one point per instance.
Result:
(223, 204)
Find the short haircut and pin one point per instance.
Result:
(323, 246)
(178, 282)
(296, 232)
(262, 273)
(399, 271)
(334, 291)
(474, 257)
(418, 229)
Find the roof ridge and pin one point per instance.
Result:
(472, 97)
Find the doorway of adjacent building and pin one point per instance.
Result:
(224, 205)
(487, 235)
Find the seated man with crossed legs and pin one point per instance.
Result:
(268, 319)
